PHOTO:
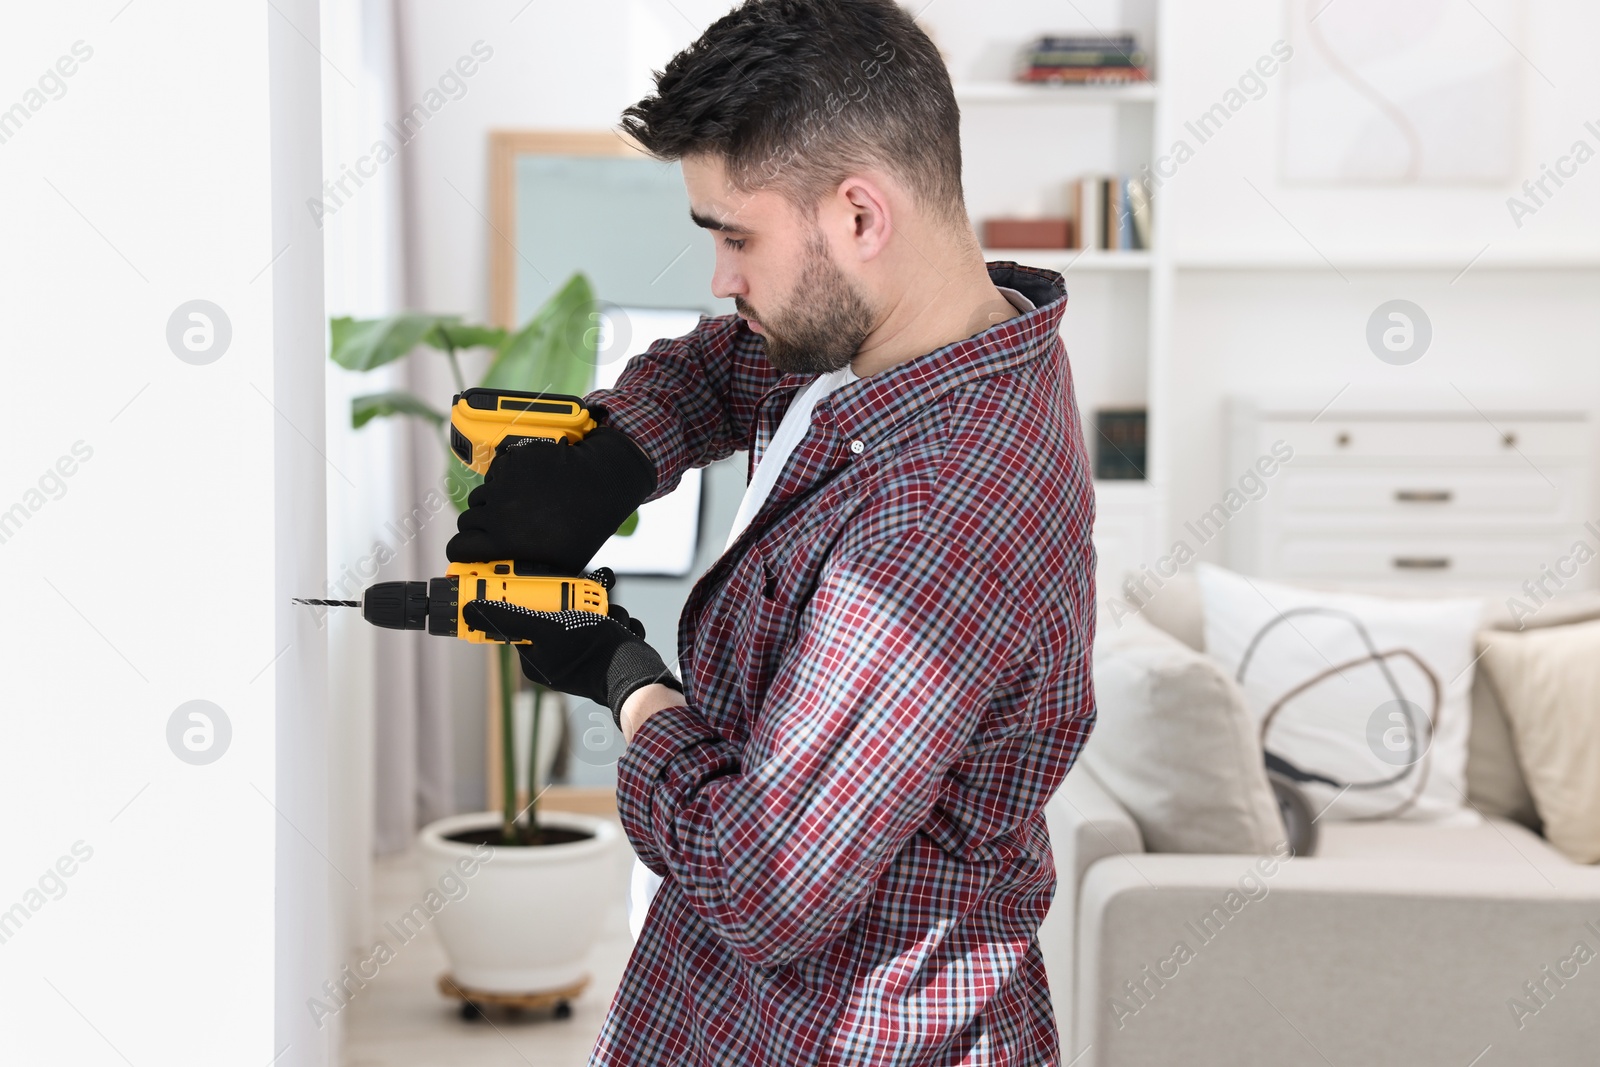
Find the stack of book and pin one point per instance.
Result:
(1111, 213)
(1085, 59)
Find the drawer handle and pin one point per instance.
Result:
(1424, 496)
(1422, 563)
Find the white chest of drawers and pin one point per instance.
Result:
(1422, 490)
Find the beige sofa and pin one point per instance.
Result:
(1396, 943)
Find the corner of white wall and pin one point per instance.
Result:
(304, 951)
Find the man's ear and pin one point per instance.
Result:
(866, 205)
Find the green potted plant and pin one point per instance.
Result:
(528, 921)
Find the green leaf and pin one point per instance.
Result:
(447, 335)
(459, 480)
(629, 524)
(556, 351)
(363, 409)
(362, 344)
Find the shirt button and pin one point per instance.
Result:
(857, 447)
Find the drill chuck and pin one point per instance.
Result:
(430, 605)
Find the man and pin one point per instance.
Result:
(886, 675)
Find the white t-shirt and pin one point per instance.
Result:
(791, 431)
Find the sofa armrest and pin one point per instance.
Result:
(1087, 825)
(1249, 959)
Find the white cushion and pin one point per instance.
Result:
(1173, 605)
(1174, 743)
(1549, 687)
(1366, 722)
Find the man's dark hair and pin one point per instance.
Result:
(794, 95)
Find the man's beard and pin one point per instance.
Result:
(827, 323)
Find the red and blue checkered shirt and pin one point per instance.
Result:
(887, 678)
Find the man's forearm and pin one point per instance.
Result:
(645, 702)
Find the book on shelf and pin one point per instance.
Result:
(1112, 213)
(1139, 209)
(1122, 41)
(1085, 60)
(1086, 205)
(1084, 75)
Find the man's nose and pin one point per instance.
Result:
(727, 281)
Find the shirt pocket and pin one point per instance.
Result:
(772, 612)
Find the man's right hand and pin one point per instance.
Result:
(553, 504)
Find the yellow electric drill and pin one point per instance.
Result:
(484, 423)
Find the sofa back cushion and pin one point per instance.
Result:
(1495, 779)
(1174, 743)
(1548, 681)
(1495, 783)
(1372, 694)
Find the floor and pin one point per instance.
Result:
(400, 1020)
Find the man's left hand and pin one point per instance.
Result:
(600, 657)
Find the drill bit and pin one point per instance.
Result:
(329, 603)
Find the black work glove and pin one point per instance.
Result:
(553, 504)
(600, 657)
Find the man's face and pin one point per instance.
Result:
(778, 267)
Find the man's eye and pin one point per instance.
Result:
(737, 246)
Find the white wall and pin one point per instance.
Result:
(1214, 213)
(305, 947)
(1294, 321)
(165, 169)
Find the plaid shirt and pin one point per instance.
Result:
(887, 678)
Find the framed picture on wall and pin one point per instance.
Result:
(1380, 94)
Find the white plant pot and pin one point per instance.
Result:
(530, 915)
